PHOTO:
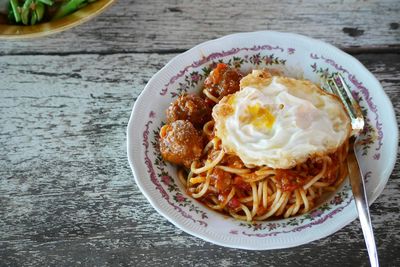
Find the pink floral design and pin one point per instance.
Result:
(291, 51)
(337, 200)
(153, 175)
(166, 179)
(195, 76)
(272, 226)
(321, 214)
(180, 197)
(316, 213)
(268, 60)
(215, 56)
(369, 133)
(364, 91)
(300, 228)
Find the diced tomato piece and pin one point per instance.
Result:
(261, 210)
(209, 102)
(241, 184)
(289, 179)
(222, 180)
(218, 71)
(234, 203)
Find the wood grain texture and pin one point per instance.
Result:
(67, 196)
(177, 25)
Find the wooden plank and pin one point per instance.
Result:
(158, 25)
(66, 191)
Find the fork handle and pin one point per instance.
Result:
(358, 188)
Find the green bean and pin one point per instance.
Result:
(33, 11)
(25, 15)
(39, 10)
(27, 4)
(26, 9)
(14, 6)
(68, 8)
(47, 2)
(82, 5)
(33, 18)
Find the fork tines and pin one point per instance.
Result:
(338, 86)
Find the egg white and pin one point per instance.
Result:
(280, 122)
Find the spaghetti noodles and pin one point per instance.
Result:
(258, 193)
(222, 181)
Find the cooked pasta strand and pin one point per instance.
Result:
(258, 193)
(210, 96)
(204, 187)
(233, 170)
(255, 199)
(265, 194)
(209, 165)
(274, 208)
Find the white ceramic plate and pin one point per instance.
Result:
(296, 56)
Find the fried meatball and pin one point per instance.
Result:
(189, 107)
(181, 143)
(223, 81)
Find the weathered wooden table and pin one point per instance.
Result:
(67, 196)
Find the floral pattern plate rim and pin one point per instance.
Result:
(297, 56)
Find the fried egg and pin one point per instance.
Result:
(280, 122)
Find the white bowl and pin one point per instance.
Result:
(296, 56)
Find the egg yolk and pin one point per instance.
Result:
(259, 116)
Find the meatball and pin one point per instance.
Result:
(223, 81)
(181, 143)
(189, 107)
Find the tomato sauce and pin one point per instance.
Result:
(289, 180)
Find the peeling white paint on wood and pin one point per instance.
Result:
(66, 189)
(158, 25)
(67, 195)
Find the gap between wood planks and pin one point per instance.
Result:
(390, 49)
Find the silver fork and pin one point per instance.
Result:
(336, 85)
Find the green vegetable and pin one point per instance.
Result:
(27, 3)
(14, 7)
(30, 12)
(47, 2)
(39, 10)
(33, 18)
(68, 7)
(25, 15)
